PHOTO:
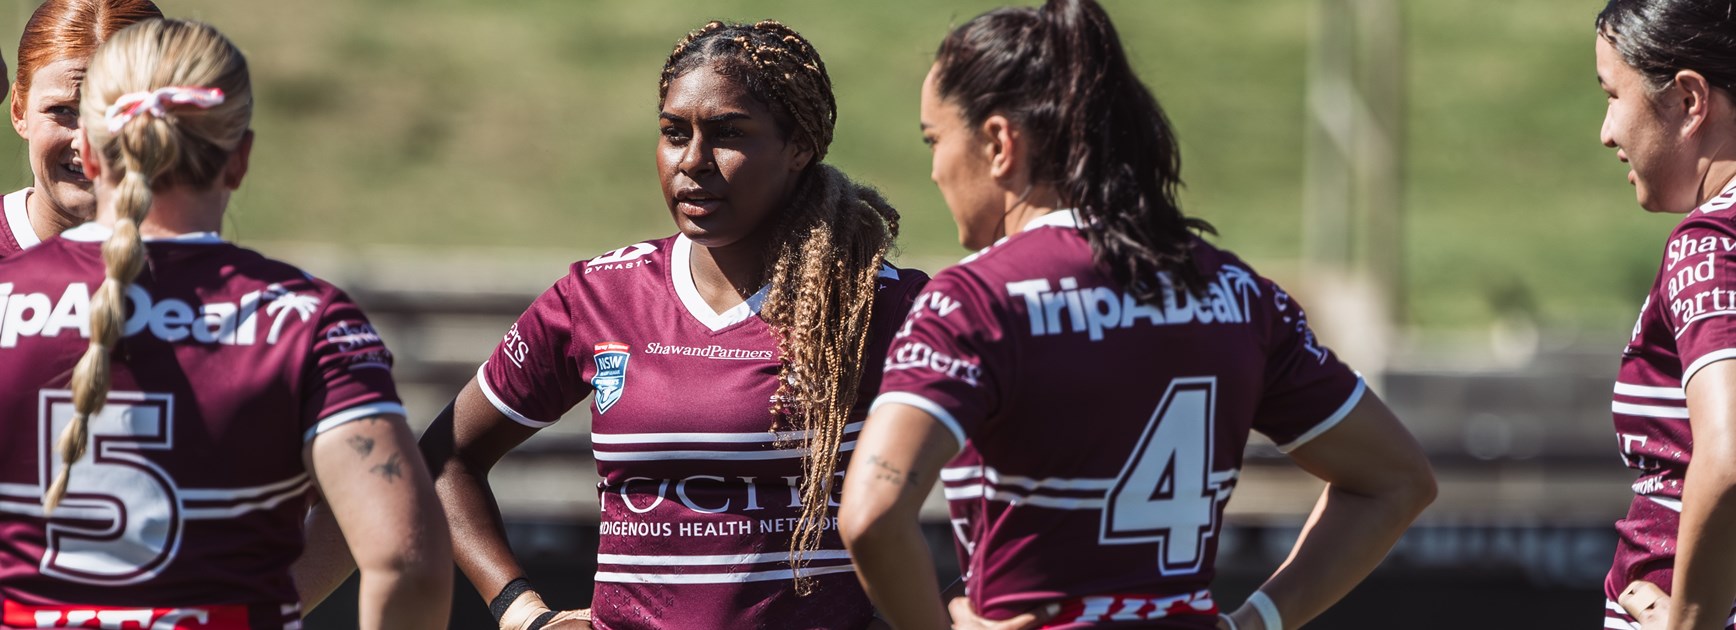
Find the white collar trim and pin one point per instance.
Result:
(18, 218)
(1064, 217)
(1723, 200)
(97, 233)
(681, 274)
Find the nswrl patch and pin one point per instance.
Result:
(611, 379)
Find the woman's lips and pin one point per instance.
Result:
(698, 208)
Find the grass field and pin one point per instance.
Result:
(531, 123)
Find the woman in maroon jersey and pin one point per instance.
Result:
(1668, 68)
(730, 364)
(52, 55)
(1100, 366)
(156, 475)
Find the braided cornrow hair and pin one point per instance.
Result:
(186, 147)
(824, 258)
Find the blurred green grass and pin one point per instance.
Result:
(531, 123)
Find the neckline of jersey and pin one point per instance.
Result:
(18, 217)
(1060, 218)
(1721, 201)
(96, 233)
(681, 275)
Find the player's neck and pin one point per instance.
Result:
(726, 276)
(47, 220)
(1033, 203)
(175, 211)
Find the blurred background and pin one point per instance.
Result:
(1426, 176)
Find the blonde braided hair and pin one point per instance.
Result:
(186, 147)
(824, 257)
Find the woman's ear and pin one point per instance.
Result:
(236, 168)
(93, 166)
(1002, 145)
(1691, 97)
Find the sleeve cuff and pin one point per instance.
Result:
(352, 414)
(1705, 360)
(1330, 421)
(930, 407)
(501, 406)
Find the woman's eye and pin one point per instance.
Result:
(674, 134)
(62, 110)
(729, 132)
(928, 140)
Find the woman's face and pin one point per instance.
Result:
(1647, 132)
(961, 169)
(48, 121)
(725, 162)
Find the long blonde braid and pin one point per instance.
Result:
(186, 147)
(824, 258)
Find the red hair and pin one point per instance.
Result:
(71, 29)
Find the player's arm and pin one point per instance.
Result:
(383, 502)
(1378, 481)
(325, 560)
(1705, 571)
(462, 445)
(897, 460)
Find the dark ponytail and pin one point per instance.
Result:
(1662, 37)
(1060, 73)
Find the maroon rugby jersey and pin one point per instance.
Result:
(1107, 434)
(1685, 324)
(16, 235)
(698, 495)
(186, 510)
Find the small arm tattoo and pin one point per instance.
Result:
(891, 474)
(392, 469)
(363, 445)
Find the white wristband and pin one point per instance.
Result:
(1229, 621)
(1268, 610)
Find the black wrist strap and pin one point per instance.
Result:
(542, 620)
(501, 602)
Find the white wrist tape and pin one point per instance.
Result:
(1229, 621)
(1268, 610)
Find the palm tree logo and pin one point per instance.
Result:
(285, 300)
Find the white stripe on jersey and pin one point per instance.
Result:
(654, 456)
(1019, 498)
(940, 413)
(726, 560)
(962, 473)
(267, 503)
(501, 406)
(757, 437)
(1611, 623)
(715, 578)
(237, 494)
(1645, 391)
(18, 220)
(1673, 504)
(1649, 411)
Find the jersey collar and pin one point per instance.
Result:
(96, 233)
(18, 219)
(681, 274)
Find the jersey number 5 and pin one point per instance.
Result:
(1167, 492)
(120, 522)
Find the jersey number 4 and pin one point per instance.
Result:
(1168, 492)
(120, 522)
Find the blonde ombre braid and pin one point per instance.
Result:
(184, 146)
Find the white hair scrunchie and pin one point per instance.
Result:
(156, 102)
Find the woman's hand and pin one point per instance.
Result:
(1647, 604)
(965, 618)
